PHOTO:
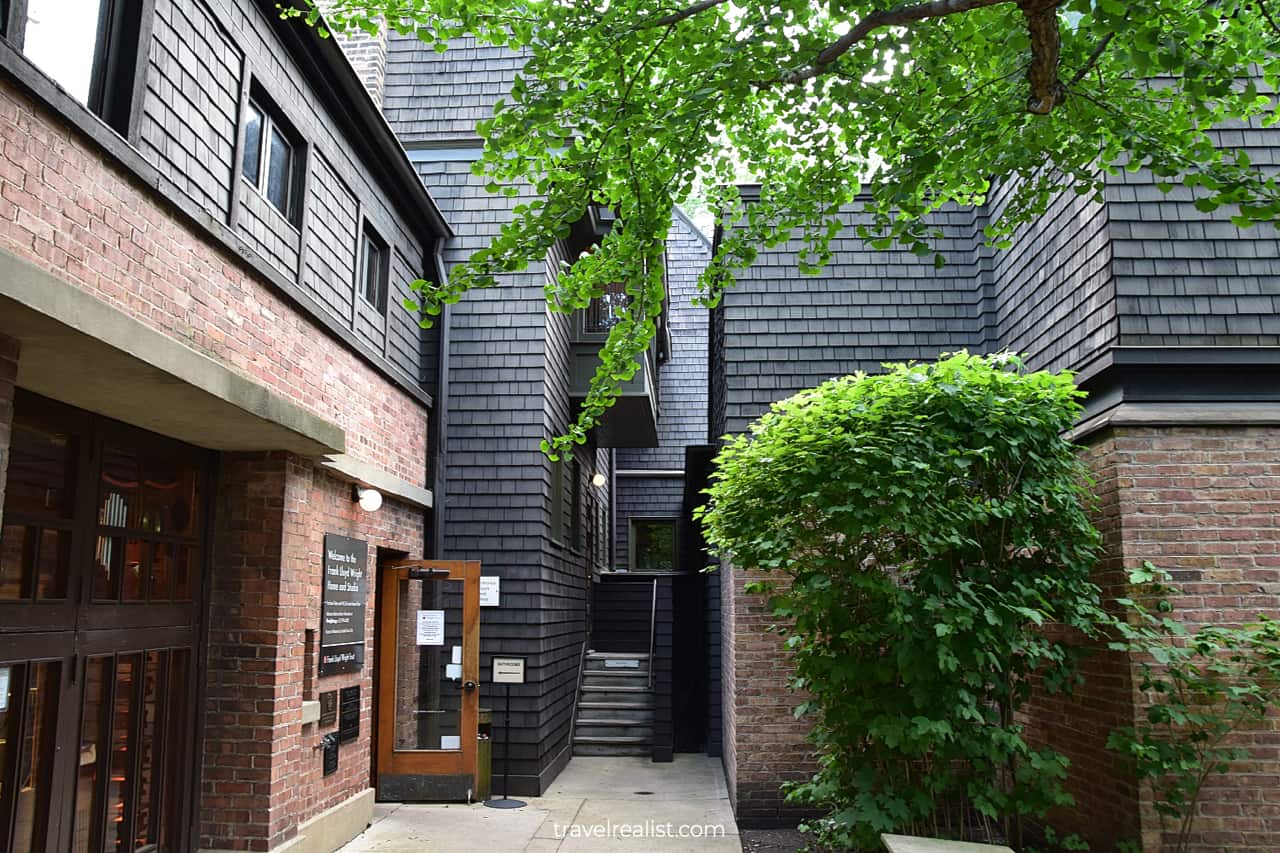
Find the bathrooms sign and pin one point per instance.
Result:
(346, 589)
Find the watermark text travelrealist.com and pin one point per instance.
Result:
(643, 829)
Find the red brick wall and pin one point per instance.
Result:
(244, 670)
(729, 681)
(1106, 809)
(763, 739)
(1204, 504)
(67, 210)
(8, 375)
(263, 775)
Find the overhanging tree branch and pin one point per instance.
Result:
(677, 17)
(900, 16)
(1266, 13)
(1047, 90)
(1092, 60)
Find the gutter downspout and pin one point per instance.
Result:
(440, 434)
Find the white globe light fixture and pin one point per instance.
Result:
(370, 500)
(597, 480)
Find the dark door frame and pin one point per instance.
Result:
(76, 629)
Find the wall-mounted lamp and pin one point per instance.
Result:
(597, 480)
(370, 500)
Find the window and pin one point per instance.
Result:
(653, 544)
(374, 269)
(88, 47)
(271, 162)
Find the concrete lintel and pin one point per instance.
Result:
(355, 471)
(1180, 414)
(84, 352)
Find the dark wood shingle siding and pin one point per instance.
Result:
(1053, 291)
(202, 56)
(332, 240)
(409, 346)
(566, 566)
(268, 232)
(1187, 278)
(190, 106)
(433, 96)
(784, 331)
(508, 390)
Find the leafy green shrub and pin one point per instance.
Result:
(929, 521)
(1202, 688)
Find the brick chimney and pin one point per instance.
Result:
(368, 55)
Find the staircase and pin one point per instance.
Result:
(615, 708)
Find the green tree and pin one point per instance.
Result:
(928, 521)
(631, 103)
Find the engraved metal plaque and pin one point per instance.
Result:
(349, 713)
(328, 708)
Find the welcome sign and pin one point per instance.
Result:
(346, 590)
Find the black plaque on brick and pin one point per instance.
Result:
(346, 589)
(328, 708)
(330, 744)
(349, 713)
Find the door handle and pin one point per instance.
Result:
(469, 685)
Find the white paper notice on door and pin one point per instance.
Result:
(4, 688)
(431, 627)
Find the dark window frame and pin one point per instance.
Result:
(273, 122)
(665, 520)
(380, 256)
(115, 79)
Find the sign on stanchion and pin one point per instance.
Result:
(508, 671)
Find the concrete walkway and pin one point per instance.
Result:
(596, 804)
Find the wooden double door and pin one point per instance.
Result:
(102, 549)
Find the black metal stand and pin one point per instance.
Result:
(506, 802)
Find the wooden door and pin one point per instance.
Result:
(428, 680)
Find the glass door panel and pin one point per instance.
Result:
(28, 712)
(429, 665)
(88, 796)
(427, 679)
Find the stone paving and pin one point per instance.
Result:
(596, 804)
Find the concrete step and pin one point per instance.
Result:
(614, 728)
(597, 749)
(638, 695)
(618, 663)
(614, 680)
(616, 711)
